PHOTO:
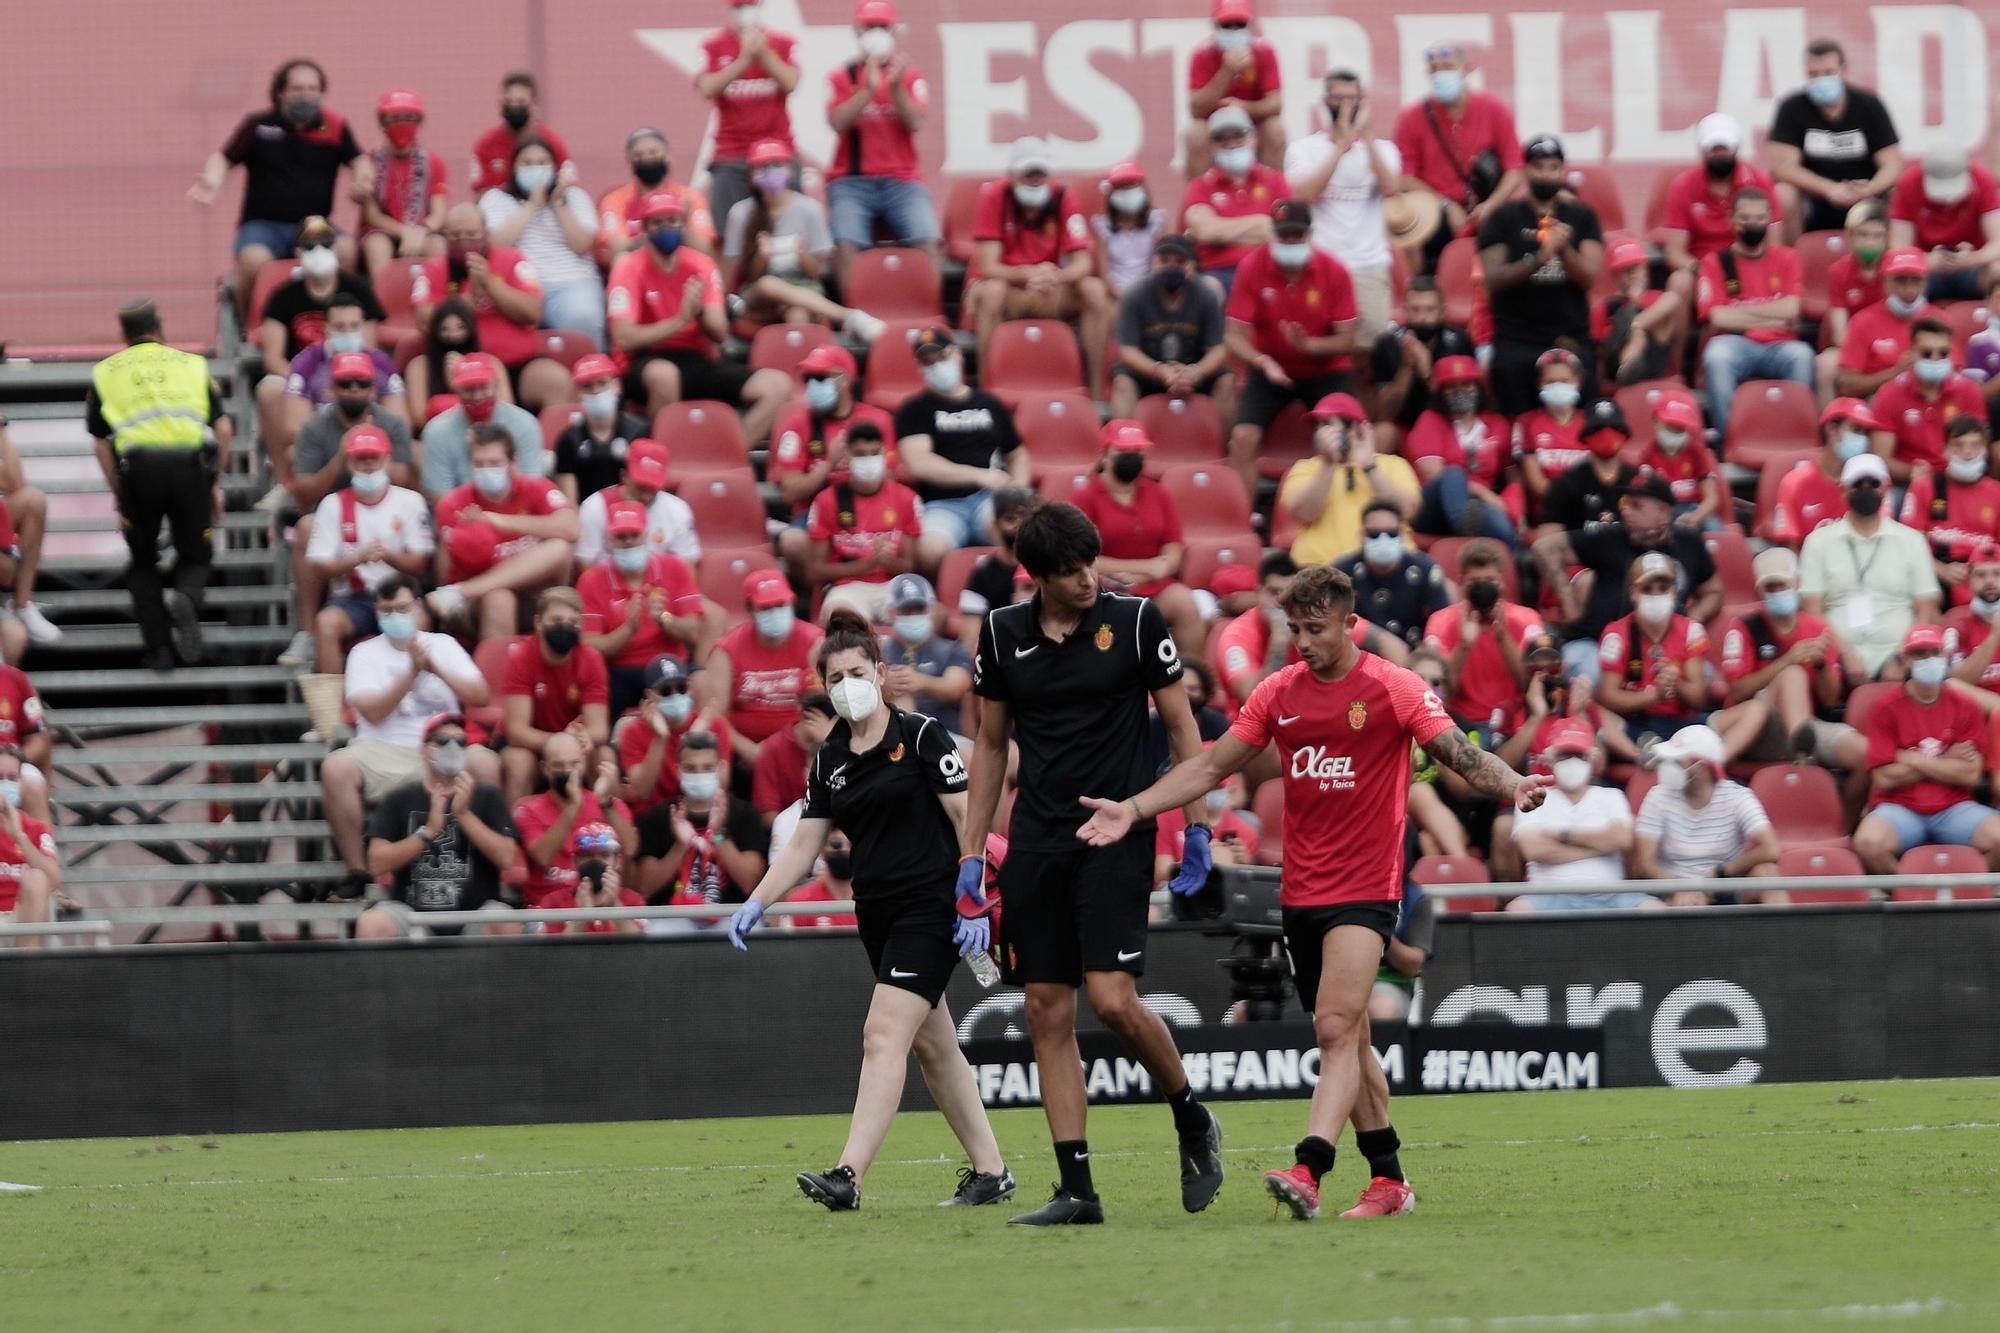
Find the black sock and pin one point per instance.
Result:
(1317, 1156)
(1379, 1147)
(1073, 1163)
(1189, 1117)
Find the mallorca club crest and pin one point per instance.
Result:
(1357, 715)
(896, 755)
(1103, 638)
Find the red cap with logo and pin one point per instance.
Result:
(1924, 638)
(1230, 11)
(769, 153)
(353, 366)
(1452, 370)
(1339, 407)
(1986, 553)
(471, 372)
(1126, 173)
(827, 359)
(400, 102)
(1678, 410)
(1852, 410)
(874, 14)
(766, 588)
(1125, 436)
(1572, 738)
(646, 464)
(625, 517)
(367, 442)
(1626, 253)
(1907, 262)
(661, 204)
(596, 366)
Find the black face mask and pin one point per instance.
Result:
(1866, 503)
(559, 784)
(1127, 466)
(515, 116)
(592, 873)
(1483, 596)
(650, 173)
(839, 865)
(1544, 190)
(1719, 168)
(561, 638)
(1752, 236)
(1171, 280)
(353, 409)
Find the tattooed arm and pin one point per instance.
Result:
(1484, 772)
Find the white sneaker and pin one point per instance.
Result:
(300, 652)
(446, 602)
(42, 632)
(863, 325)
(273, 501)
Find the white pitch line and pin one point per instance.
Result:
(1666, 1313)
(9, 1187)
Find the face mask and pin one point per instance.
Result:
(1382, 549)
(492, 480)
(10, 791)
(1604, 444)
(1031, 196)
(397, 626)
(1826, 89)
(561, 638)
(1132, 200)
(302, 110)
(1447, 85)
(773, 180)
(533, 178)
(1231, 40)
(944, 376)
(1291, 256)
(1965, 469)
(1171, 280)
(515, 116)
(775, 622)
(1783, 604)
(743, 16)
(839, 865)
(1671, 441)
(1868, 254)
(1985, 609)
(630, 559)
(700, 786)
(1753, 235)
(877, 43)
(1903, 309)
(822, 396)
(1544, 190)
(1850, 445)
(667, 240)
(448, 761)
(650, 173)
(1932, 372)
(1655, 608)
(1948, 196)
(1572, 774)
(1865, 503)
(370, 485)
(1216, 801)
(1236, 161)
(337, 343)
(1560, 394)
(1483, 596)
(1461, 402)
(400, 135)
(855, 699)
(913, 629)
(1929, 671)
(677, 708)
(319, 262)
(479, 412)
(1127, 466)
(601, 407)
(1719, 168)
(1673, 778)
(868, 470)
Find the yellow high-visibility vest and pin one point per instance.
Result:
(153, 397)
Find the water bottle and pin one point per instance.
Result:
(984, 970)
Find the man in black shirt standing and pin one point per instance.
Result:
(1066, 675)
(1832, 145)
(1539, 256)
(952, 438)
(446, 839)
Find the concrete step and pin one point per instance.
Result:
(145, 684)
(236, 520)
(120, 755)
(166, 793)
(112, 560)
(157, 718)
(227, 831)
(78, 482)
(86, 601)
(126, 638)
(91, 874)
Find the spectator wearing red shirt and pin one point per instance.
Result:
(1291, 321)
(1139, 527)
(780, 775)
(578, 797)
(1853, 283)
(1698, 217)
(1655, 664)
(553, 685)
(1638, 326)
(1949, 208)
(1460, 448)
(1460, 145)
(1969, 638)
(1227, 210)
(1257, 643)
(1749, 303)
(401, 215)
(619, 225)
(1679, 454)
(24, 725)
(1482, 640)
(876, 105)
(30, 869)
(506, 298)
(1789, 658)
(863, 531)
(665, 313)
(760, 670)
(709, 848)
(1958, 509)
(493, 151)
(1233, 838)
(1915, 408)
(806, 453)
(1877, 346)
(638, 606)
(500, 537)
(1811, 496)
(1927, 750)
(600, 882)
(835, 884)
(648, 739)
(1033, 258)
(1549, 440)
(747, 71)
(1234, 69)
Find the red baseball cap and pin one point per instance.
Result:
(1126, 173)
(874, 14)
(400, 101)
(1907, 262)
(471, 372)
(769, 152)
(625, 516)
(766, 588)
(1231, 11)
(827, 359)
(1339, 407)
(1924, 638)
(1852, 410)
(661, 204)
(437, 720)
(1986, 553)
(353, 366)
(1227, 580)
(1626, 253)
(646, 464)
(1455, 370)
(1677, 409)
(1572, 738)
(1125, 436)
(367, 442)
(596, 366)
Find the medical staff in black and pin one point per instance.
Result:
(894, 783)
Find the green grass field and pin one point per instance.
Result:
(1742, 1209)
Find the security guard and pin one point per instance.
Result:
(158, 421)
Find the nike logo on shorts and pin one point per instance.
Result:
(1023, 652)
(1124, 957)
(1287, 721)
(897, 972)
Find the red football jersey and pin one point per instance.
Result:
(641, 292)
(500, 336)
(1945, 225)
(534, 816)
(888, 147)
(532, 497)
(1964, 632)
(1917, 422)
(1485, 686)
(1767, 277)
(752, 105)
(1956, 521)
(817, 892)
(801, 438)
(20, 706)
(1317, 298)
(1346, 753)
(1250, 197)
(1901, 723)
(766, 684)
(1684, 471)
(1483, 452)
(667, 585)
(1807, 499)
(1060, 232)
(1436, 147)
(558, 690)
(1744, 652)
(1848, 288)
(634, 738)
(1170, 833)
(1693, 207)
(1253, 83)
(1555, 447)
(1876, 339)
(14, 861)
(1634, 659)
(493, 154)
(1138, 531)
(892, 511)
(564, 898)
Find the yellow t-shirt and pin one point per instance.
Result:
(1337, 530)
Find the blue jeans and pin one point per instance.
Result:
(1731, 358)
(1963, 285)
(1446, 498)
(280, 238)
(963, 520)
(1953, 826)
(1580, 658)
(575, 307)
(855, 203)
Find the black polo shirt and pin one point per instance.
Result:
(596, 464)
(1608, 552)
(1548, 306)
(1398, 600)
(1078, 707)
(289, 173)
(885, 800)
(1580, 496)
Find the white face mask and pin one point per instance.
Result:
(775, 622)
(1572, 774)
(944, 376)
(448, 761)
(1985, 609)
(1291, 256)
(1032, 196)
(1236, 161)
(1382, 550)
(700, 786)
(370, 485)
(1232, 39)
(855, 698)
(914, 629)
(868, 469)
(1561, 393)
(1129, 200)
(1671, 441)
(1965, 469)
(877, 43)
(533, 178)
(676, 708)
(493, 481)
(336, 343)
(1929, 671)
(1655, 608)
(601, 407)
(1673, 778)
(319, 262)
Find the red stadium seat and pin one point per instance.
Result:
(274, 274)
(1268, 804)
(557, 418)
(689, 482)
(722, 574)
(1058, 483)
(393, 292)
(729, 511)
(1731, 553)
(1862, 702)
(1184, 430)
(566, 347)
(1436, 871)
(961, 207)
(1642, 783)
(783, 346)
(1966, 318)
(1284, 528)
(1803, 803)
(1596, 187)
(1059, 429)
(1210, 498)
(1636, 402)
(1448, 551)
(1289, 440)
(408, 347)
(1822, 863)
(1941, 859)
(892, 283)
(1202, 556)
(702, 435)
(953, 573)
(1817, 251)
(892, 373)
(1656, 199)
(1458, 275)
(1768, 418)
(1769, 478)
(1028, 356)
(490, 656)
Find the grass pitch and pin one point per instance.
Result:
(1774, 1206)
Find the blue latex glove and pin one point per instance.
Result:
(745, 921)
(972, 879)
(1195, 863)
(972, 935)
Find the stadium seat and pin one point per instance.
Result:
(274, 274)
(893, 283)
(689, 482)
(1059, 429)
(1596, 187)
(1731, 553)
(953, 573)
(1448, 551)
(1656, 199)
(1769, 478)
(566, 347)
(408, 347)
(1057, 483)
(490, 656)
(1862, 702)
(1028, 356)
(1284, 528)
(702, 435)
(783, 346)
(723, 571)
(1202, 556)
(1804, 805)
(1210, 498)
(1183, 430)
(1435, 871)
(1817, 251)
(1769, 418)
(1821, 863)
(1966, 318)
(961, 206)
(1458, 275)
(557, 418)
(1941, 859)
(1268, 804)
(892, 373)
(1636, 402)
(729, 510)
(1287, 441)
(393, 287)
(1642, 783)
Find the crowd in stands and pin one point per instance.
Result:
(1701, 517)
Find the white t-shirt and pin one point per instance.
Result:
(1347, 214)
(400, 521)
(669, 528)
(542, 240)
(375, 664)
(1695, 843)
(1596, 808)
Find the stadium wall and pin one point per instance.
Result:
(210, 1039)
(116, 106)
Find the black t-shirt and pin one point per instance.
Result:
(289, 174)
(596, 464)
(971, 431)
(1399, 600)
(1606, 550)
(1387, 356)
(304, 315)
(451, 874)
(1548, 305)
(1078, 707)
(1182, 333)
(1580, 496)
(992, 582)
(885, 800)
(1840, 150)
(706, 875)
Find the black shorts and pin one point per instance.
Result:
(909, 944)
(1262, 400)
(717, 381)
(1148, 387)
(1065, 913)
(1306, 929)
